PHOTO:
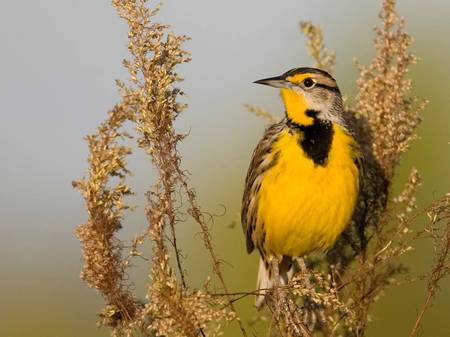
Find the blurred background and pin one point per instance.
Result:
(58, 64)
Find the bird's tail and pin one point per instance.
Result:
(265, 280)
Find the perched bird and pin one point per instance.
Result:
(302, 185)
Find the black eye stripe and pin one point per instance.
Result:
(335, 89)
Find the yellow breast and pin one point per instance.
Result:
(303, 207)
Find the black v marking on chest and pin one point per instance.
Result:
(316, 140)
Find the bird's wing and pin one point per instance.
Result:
(261, 161)
(371, 198)
(373, 191)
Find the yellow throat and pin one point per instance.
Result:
(296, 107)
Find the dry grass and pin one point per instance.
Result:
(330, 296)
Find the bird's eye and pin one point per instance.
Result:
(309, 83)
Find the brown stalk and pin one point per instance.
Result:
(437, 213)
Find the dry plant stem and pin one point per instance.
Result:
(198, 216)
(384, 105)
(420, 315)
(295, 326)
(384, 92)
(260, 112)
(177, 254)
(324, 58)
(278, 292)
(285, 310)
(102, 252)
(154, 60)
(150, 100)
(153, 78)
(437, 213)
(160, 140)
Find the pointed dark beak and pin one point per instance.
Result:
(276, 82)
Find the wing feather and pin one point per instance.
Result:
(262, 160)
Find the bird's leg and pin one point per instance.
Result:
(284, 305)
(309, 317)
(313, 310)
(274, 274)
(301, 264)
(275, 271)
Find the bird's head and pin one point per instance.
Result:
(308, 94)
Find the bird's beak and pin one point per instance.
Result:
(276, 82)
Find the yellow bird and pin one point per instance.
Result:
(302, 185)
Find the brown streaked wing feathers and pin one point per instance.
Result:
(258, 166)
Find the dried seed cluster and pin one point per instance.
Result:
(150, 101)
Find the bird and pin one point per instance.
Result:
(303, 180)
